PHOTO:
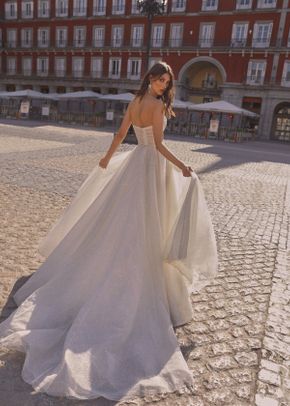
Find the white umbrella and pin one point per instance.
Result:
(127, 97)
(27, 93)
(180, 104)
(223, 106)
(84, 94)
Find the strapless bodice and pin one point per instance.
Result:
(144, 135)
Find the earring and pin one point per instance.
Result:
(149, 88)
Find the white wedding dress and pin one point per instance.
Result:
(96, 319)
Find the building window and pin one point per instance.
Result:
(266, 4)
(79, 37)
(206, 35)
(115, 68)
(27, 9)
(256, 72)
(60, 66)
(42, 66)
(208, 5)
(43, 8)
(11, 10)
(243, 4)
(61, 8)
(262, 35)
(99, 36)
(178, 5)
(80, 8)
(11, 38)
(288, 41)
(286, 74)
(78, 66)
(134, 69)
(26, 66)
(11, 65)
(61, 37)
(96, 67)
(157, 36)
(137, 35)
(176, 32)
(26, 38)
(43, 37)
(118, 7)
(117, 35)
(1, 38)
(99, 7)
(239, 34)
(134, 8)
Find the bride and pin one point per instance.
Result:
(97, 318)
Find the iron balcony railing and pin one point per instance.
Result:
(156, 42)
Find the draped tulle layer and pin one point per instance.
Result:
(120, 265)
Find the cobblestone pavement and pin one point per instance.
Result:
(238, 343)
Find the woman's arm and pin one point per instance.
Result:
(158, 116)
(126, 122)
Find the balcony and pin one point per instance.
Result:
(61, 12)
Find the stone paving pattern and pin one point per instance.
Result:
(238, 343)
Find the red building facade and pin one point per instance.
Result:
(237, 50)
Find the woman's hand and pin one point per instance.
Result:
(186, 171)
(103, 162)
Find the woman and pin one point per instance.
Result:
(98, 317)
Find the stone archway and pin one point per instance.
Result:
(281, 122)
(200, 79)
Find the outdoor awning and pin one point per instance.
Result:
(222, 106)
(28, 93)
(125, 97)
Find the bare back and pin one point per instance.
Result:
(142, 111)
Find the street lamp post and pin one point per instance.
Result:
(150, 8)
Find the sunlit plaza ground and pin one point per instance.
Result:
(237, 344)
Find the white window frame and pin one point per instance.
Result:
(134, 8)
(130, 75)
(42, 66)
(11, 10)
(118, 7)
(97, 73)
(209, 5)
(178, 6)
(267, 4)
(40, 42)
(98, 41)
(261, 42)
(80, 8)
(11, 67)
(11, 42)
(157, 41)
(99, 7)
(208, 40)
(26, 71)
(46, 8)
(243, 4)
(173, 40)
(236, 41)
(60, 73)
(24, 37)
(285, 81)
(112, 74)
(61, 42)
(80, 41)
(137, 40)
(117, 40)
(61, 9)
(24, 5)
(78, 73)
(253, 79)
